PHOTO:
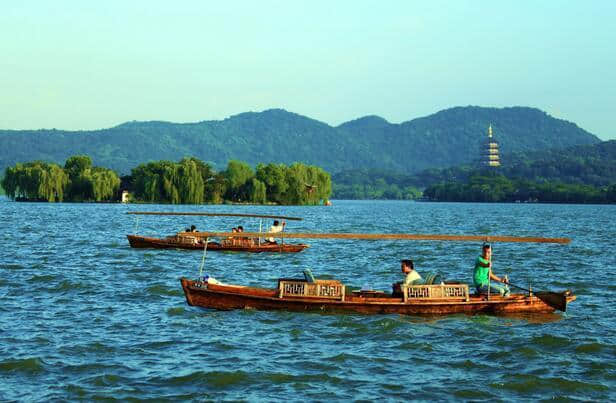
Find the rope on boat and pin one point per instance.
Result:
(136, 225)
(203, 257)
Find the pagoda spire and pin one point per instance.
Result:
(489, 151)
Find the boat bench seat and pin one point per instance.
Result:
(436, 292)
(330, 289)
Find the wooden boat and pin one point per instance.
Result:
(331, 296)
(232, 242)
(194, 243)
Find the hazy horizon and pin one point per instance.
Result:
(81, 66)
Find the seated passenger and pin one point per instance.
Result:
(408, 269)
(411, 276)
(244, 240)
(482, 275)
(193, 228)
(234, 240)
(277, 227)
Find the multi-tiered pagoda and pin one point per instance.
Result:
(489, 152)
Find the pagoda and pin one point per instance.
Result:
(489, 152)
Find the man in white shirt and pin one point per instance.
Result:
(277, 227)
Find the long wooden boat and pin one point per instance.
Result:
(195, 243)
(332, 296)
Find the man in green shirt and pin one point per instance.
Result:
(483, 275)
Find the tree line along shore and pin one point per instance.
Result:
(498, 188)
(188, 181)
(475, 185)
(191, 181)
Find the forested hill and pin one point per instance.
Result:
(593, 165)
(447, 138)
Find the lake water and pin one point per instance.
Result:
(83, 316)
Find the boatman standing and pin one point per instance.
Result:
(482, 275)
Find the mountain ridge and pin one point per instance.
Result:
(445, 138)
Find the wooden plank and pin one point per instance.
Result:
(410, 237)
(214, 214)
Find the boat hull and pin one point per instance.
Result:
(235, 297)
(138, 241)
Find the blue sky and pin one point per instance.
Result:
(87, 65)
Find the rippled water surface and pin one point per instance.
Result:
(85, 317)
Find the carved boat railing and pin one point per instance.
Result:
(329, 289)
(436, 292)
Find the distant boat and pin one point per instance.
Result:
(194, 241)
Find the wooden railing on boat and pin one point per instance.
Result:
(436, 292)
(329, 289)
(187, 239)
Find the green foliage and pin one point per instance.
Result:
(190, 181)
(105, 184)
(374, 184)
(591, 165)
(88, 183)
(35, 180)
(238, 175)
(257, 191)
(77, 164)
(306, 184)
(43, 181)
(216, 188)
(498, 188)
(274, 177)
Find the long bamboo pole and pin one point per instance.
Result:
(213, 214)
(410, 237)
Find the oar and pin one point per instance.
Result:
(557, 300)
(425, 237)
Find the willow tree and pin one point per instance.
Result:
(153, 182)
(190, 182)
(215, 188)
(257, 191)
(306, 184)
(274, 178)
(78, 169)
(105, 183)
(35, 180)
(9, 182)
(88, 183)
(171, 182)
(238, 174)
(53, 181)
